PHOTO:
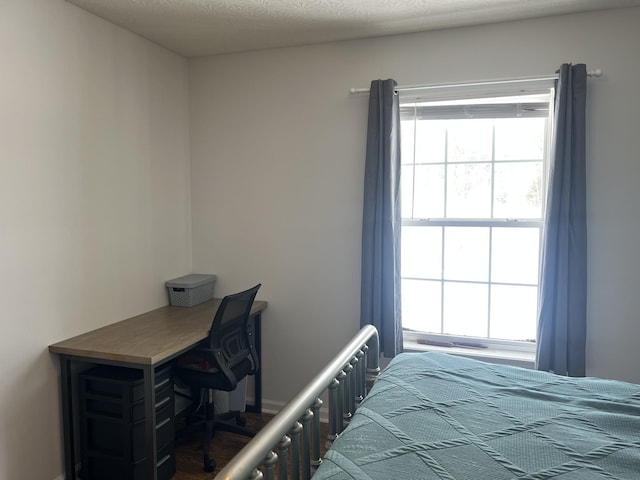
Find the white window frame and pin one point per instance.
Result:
(414, 339)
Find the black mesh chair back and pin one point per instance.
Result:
(232, 340)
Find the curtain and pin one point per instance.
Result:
(563, 273)
(380, 275)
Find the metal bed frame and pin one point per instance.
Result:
(290, 443)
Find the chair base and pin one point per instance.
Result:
(221, 423)
(212, 423)
(209, 464)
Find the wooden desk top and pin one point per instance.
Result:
(149, 338)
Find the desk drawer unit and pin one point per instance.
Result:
(105, 467)
(112, 423)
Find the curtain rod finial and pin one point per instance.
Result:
(595, 73)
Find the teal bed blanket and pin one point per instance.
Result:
(437, 416)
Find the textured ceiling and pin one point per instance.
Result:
(209, 27)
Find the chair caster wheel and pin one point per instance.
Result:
(209, 465)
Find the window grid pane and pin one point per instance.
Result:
(461, 245)
(475, 279)
(468, 317)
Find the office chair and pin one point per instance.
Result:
(220, 362)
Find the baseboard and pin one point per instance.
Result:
(273, 407)
(63, 475)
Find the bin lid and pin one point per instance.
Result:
(193, 280)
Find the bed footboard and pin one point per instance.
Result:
(290, 443)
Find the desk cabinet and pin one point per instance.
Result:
(145, 343)
(112, 424)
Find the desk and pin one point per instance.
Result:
(143, 342)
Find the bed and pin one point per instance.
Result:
(438, 416)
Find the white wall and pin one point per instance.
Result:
(277, 166)
(94, 201)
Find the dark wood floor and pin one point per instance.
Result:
(223, 447)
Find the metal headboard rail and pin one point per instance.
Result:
(347, 377)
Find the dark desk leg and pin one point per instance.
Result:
(67, 419)
(257, 378)
(150, 423)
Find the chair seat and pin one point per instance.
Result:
(193, 374)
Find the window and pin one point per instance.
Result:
(473, 191)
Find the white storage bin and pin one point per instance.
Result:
(235, 400)
(191, 289)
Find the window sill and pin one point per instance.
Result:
(491, 355)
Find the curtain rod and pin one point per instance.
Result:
(591, 73)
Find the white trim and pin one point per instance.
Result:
(63, 475)
(525, 359)
(411, 337)
(272, 407)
